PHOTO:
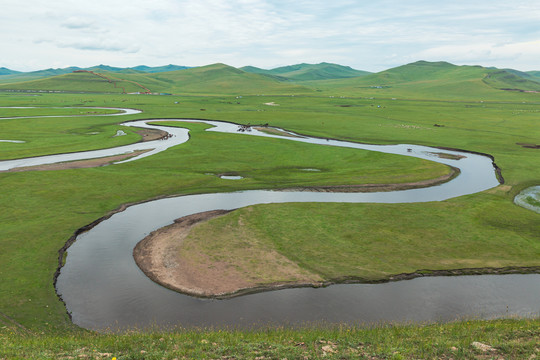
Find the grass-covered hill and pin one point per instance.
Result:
(301, 72)
(11, 76)
(75, 82)
(432, 80)
(218, 78)
(534, 74)
(418, 80)
(211, 79)
(6, 71)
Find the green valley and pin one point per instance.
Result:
(471, 108)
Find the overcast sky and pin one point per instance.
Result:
(366, 35)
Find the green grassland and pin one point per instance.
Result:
(509, 339)
(51, 136)
(53, 204)
(41, 210)
(358, 241)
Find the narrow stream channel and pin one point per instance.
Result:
(105, 290)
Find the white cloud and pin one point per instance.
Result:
(75, 22)
(266, 33)
(99, 45)
(503, 55)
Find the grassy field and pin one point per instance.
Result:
(505, 339)
(359, 241)
(41, 210)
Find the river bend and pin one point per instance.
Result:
(105, 290)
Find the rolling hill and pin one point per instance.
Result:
(211, 79)
(74, 82)
(423, 79)
(426, 79)
(303, 72)
(6, 71)
(535, 75)
(11, 76)
(218, 79)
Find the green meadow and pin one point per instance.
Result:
(42, 209)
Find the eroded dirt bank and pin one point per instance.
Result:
(160, 257)
(79, 164)
(146, 134)
(163, 258)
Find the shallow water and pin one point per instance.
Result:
(529, 193)
(104, 289)
(231, 177)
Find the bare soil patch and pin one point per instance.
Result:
(273, 131)
(447, 156)
(151, 134)
(529, 146)
(197, 273)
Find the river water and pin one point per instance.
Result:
(105, 290)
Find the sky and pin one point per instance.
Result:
(365, 35)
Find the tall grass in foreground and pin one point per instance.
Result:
(499, 339)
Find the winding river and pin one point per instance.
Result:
(105, 290)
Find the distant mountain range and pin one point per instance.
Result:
(421, 78)
(5, 71)
(298, 72)
(7, 75)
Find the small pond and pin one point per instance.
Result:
(529, 198)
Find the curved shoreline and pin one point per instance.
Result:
(149, 258)
(62, 252)
(381, 187)
(241, 290)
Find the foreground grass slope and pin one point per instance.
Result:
(499, 339)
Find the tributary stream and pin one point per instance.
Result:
(105, 290)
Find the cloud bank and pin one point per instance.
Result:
(267, 33)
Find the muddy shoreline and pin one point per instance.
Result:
(79, 164)
(398, 277)
(150, 262)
